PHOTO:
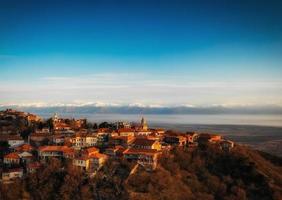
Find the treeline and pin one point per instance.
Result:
(60, 180)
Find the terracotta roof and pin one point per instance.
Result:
(61, 125)
(98, 156)
(24, 147)
(143, 142)
(140, 151)
(91, 150)
(119, 147)
(69, 151)
(12, 156)
(54, 148)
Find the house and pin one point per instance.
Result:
(159, 131)
(144, 143)
(45, 130)
(26, 157)
(83, 139)
(90, 151)
(145, 157)
(114, 134)
(126, 132)
(12, 158)
(12, 174)
(13, 140)
(33, 167)
(226, 144)
(215, 138)
(24, 148)
(90, 163)
(141, 132)
(122, 124)
(40, 138)
(58, 139)
(61, 126)
(79, 140)
(64, 132)
(175, 139)
(69, 153)
(68, 124)
(91, 140)
(192, 137)
(102, 139)
(97, 160)
(116, 151)
(206, 137)
(52, 151)
(124, 141)
(82, 163)
(79, 123)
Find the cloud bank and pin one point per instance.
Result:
(139, 90)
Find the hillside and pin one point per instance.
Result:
(210, 174)
(205, 173)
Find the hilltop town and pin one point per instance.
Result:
(31, 145)
(88, 148)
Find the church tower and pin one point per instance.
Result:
(55, 117)
(144, 125)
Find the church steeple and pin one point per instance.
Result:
(55, 117)
(144, 125)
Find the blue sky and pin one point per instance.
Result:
(141, 52)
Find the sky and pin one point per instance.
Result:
(154, 53)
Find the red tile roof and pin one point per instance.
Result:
(91, 150)
(140, 151)
(143, 142)
(125, 138)
(98, 156)
(12, 156)
(54, 148)
(24, 147)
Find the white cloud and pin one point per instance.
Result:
(139, 89)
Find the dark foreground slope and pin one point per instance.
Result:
(210, 174)
(205, 173)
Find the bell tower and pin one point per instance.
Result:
(144, 125)
(55, 117)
